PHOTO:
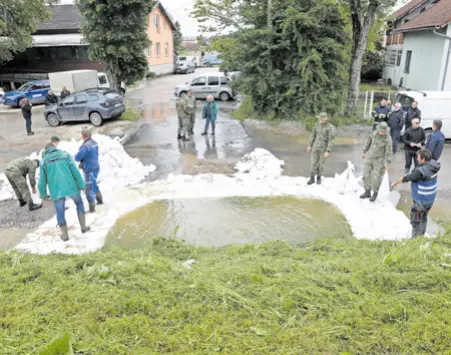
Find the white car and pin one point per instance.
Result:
(215, 84)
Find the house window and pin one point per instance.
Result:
(158, 49)
(148, 51)
(390, 57)
(398, 60)
(408, 59)
(156, 22)
(166, 49)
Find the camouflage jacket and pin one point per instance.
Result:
(189, 104)
(179, 106)
(22, 167)
(322, 137)
(379, 147)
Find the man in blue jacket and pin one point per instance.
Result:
(412, 113)
(436, 141)
(380, 113)
(424, 190)
(88, 156)
(396, 123)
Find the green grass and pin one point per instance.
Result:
(340, 296)
(130, 114)
(375, 87)
(245, 111)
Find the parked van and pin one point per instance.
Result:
(215, 84)
(434, 105)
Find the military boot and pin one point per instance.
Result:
(64, 233)
(22, 203)
(99, 198)
(311, 181)
(179, 137)
(374, 197)
(32, 206)
(92, 206)
(318, 180)
(82, 220)
(367, 194)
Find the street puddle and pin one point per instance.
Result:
(238, 220)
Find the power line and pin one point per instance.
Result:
(181, 7)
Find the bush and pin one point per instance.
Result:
(245, 110)
(130, 114)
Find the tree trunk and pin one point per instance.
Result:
(360, 39)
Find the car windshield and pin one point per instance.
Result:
(25, 87)
(405, 101)
(182, 58)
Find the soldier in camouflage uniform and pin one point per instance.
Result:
(377, 153)
(17, 172)
(189, 106)
(183, 121)
(320, 145)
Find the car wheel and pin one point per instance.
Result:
(183, 93)
(96, 119)
(224, 96)
(53, 120)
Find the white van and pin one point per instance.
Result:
(434, 105)
(104, 82)
(215, 84)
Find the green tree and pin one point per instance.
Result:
(116, 32)
(18, 20)
(305, 48)
(177, 36)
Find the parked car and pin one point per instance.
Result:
(215, 84)
(434, 105)
(2, 94)
(34, 91)
(184, 67)
(209, 61)
(94, 105)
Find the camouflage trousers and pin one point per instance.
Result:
(317, 162)
(192, 121)
(19, 184)
(373, 173)
(184, 126)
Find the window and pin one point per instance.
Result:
(199, 81)
(165, 25)
(156, 22)
(69, 101)
(166, 49)
(213, 80)
(158, 49)
(408, 59)
(148, 51)
(390, 57)
(398, 60)
(102, 80)
(93, 97)
(38, 86)
(224, 80)
(81, 99)
(405, 101)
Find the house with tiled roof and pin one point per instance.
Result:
(423, 59)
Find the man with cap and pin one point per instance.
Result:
(320, 145)
(436, 141)
(16, 172)
(378, 152)
(88, 157)
(423, 186)
(414, 138)
(396, 123)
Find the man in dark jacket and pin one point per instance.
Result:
(88, 156)
(396, 123)
(25, 107)
(64, 93)
(51, 99)
(412, 113)
(414, 138)
(380, 113)
(436, 141)
(424, 190)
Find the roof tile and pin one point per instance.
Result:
(407, 8)
(438, 15)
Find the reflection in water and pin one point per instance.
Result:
(210, 151)
(237, 220)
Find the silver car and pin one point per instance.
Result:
(215, 84)
(94, 105)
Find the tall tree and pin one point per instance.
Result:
(363, 15)
(18, 20)
(177, 36)
(116, 32)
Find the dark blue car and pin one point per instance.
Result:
(34, 91)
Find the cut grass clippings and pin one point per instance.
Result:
(336, 296)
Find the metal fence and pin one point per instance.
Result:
(367, 101)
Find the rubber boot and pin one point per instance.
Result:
(179, 137)
(374, 197)
(185, 139)
(318, 180)
(64, 233)
(311, 181)
(22, 203)
(99, 198)
(92, 206)
(32, 206)
(204, 133)
(82, 220)
(367, 194)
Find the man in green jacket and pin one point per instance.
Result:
(210, 114)
(59, 172)
(190, 106)
(16, 172)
